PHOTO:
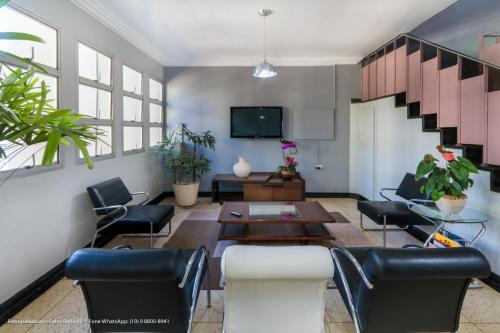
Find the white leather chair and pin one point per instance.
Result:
(278, 289)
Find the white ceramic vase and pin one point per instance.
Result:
(451, 205)
(242, 169)
(186, 194)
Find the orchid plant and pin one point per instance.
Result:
(288, 150)
(452, 180)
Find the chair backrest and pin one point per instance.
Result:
(423, 289)
(275, 289)
(133, 284)
(410, 189)
(108, 193)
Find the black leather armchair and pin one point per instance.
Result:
(406, 290)
(148, 290)
(394, 212)
(110, 198)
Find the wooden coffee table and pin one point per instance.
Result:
(307, 225)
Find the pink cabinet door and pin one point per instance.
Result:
(390, 73)
(373, 80)
(365, 94)
(449, 97)
(430, 86)
(472, 96)
(401, 69)
(493, 143)
(381, 76)
(414, 92)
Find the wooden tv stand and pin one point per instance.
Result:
(258, 186)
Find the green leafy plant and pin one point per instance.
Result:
(26, 114)
(452, 180)
(183, 156)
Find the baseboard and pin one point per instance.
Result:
(23, 298)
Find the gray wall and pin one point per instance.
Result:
(460, 25)
(201, 97)
(45, 217)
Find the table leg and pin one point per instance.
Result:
(431, 237)
(246, 228)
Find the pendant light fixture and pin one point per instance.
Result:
(264, 69)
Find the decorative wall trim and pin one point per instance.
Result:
(95, 9)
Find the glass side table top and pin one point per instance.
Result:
(428, 210)
(275, 210)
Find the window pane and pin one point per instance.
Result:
(155, 112)
(132, 137)
(104, 68)
(93, 65)
(132, 80)
(155, 90)
(104, 147)
(44, 53)
(132, 109)
(87, 62)
(19, 157)
(155, 136)
(93, 102)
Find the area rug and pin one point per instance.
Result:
(201, 228)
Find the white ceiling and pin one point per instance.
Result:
(230, 32)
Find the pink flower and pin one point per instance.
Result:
(288, 145)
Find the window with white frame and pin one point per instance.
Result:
(133, 119)
(45, 54)
(155, 112)
(95, 97)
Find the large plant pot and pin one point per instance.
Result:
(451, 205)
(186, 195)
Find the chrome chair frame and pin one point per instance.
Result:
(343, 277)
(384, 228)
(205, 256)
(116, 208)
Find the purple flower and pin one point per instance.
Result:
(288, 145)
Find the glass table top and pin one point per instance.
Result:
(428, 210)
(275, 210)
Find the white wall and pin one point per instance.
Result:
(47, 216)
(398, 144)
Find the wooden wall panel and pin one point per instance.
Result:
(381, 76)
(493, 124)
(414, 92)
(430, 87)
(401, 69)
(449, 97)
(390, 73)
(365, 94)
(472, 110)
(373, 80)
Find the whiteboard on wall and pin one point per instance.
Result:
(314, 124)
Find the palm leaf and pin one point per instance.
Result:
(20, 36)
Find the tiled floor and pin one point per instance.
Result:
(480, 314)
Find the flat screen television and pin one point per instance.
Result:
(256, 122)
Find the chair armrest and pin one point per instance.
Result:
(143, 193)
(382, 190)
(189, 266)
(354, 262)
(115, 219)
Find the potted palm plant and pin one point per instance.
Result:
(447, 185)
(185, 161)
(26, 115)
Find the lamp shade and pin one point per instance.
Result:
(264, 70)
